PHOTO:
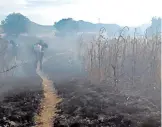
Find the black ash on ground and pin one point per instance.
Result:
(18, 110)
(83, 105)
(88, 105)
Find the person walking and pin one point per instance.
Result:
(14, 49)
(39, 49)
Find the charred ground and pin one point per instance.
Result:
(84, 104)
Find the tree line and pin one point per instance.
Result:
(16, 23)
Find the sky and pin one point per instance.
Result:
(122, 12)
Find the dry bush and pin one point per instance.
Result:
(7, 60)
(127, 63)
(5, 57)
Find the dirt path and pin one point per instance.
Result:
(48, 104)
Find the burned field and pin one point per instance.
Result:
(88, 105)
(19, 103)
(83, 105)
(18, 110)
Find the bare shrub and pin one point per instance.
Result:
(127, 63)
(7, 61)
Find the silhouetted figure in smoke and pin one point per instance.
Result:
(39, 49)
(14, 48)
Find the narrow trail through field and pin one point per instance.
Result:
(48, 103)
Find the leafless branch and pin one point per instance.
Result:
(12, 67)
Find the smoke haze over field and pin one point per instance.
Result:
(102, 57)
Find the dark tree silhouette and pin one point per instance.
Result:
(15, 24)
(155, 27)
(66, 26)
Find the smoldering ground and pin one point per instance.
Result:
(84, 103)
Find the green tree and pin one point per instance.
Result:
(15, 24)
(155, 27)
(66, 26)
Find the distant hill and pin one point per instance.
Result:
(68, 25)
(89, 27)
(140, 30)
(34, 28)
(82, 26)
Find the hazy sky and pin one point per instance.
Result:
(122, 12)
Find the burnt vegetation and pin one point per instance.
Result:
(119, 86)
(18, 110)
(123, 86)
